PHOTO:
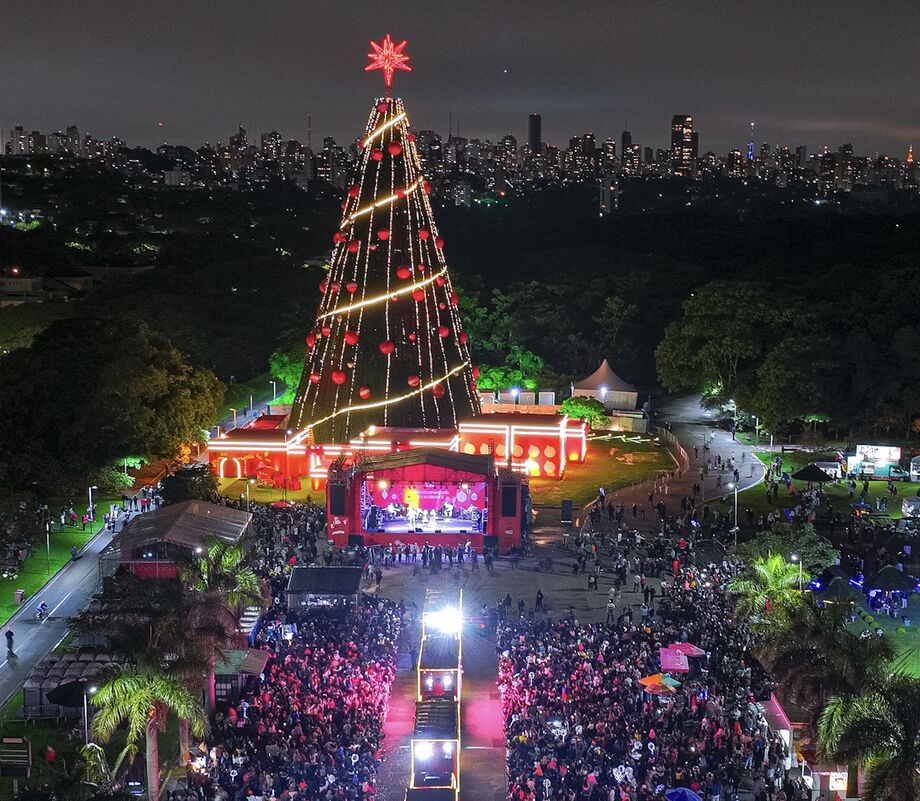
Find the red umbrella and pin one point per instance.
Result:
(687, 649)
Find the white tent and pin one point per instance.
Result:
(608, 388)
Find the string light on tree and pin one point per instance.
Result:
(387, 346)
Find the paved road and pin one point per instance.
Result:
(67, 594)
(694, 427)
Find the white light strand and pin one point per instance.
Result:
(389, 124)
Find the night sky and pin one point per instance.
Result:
(818, 73)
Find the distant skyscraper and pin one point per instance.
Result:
(750, 149)
(535, 134)
(649, 155)
(625, 143)
(683, 143)
(801, 155)
(911, 168)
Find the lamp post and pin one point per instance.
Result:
(234, 416)
(92, 690)
(796, 558)
(734, 486)
(734, 415)
(251, 481)
(515, 392)
(274, 389)
(89, 509)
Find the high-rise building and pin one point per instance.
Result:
(271, 146)
(910, 169)
(625, 142)
(535, 134)
(684, 143)
(19, 142)
(649, 155)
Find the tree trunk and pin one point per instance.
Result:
(853, 780)
(184, 754)
(153, 761)
(212, 690)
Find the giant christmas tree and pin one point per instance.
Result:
(388, 346)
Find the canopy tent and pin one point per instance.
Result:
(839, 590)
(673, 661)
(326, 588)
(687, 649)
(890, 579)
(607, 387)
(812, 474)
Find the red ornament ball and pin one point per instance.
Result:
(351, 337)
(314, 378)
(443, 331)
(403, 272)
(454, 298)
(352, 287)
(394, 148)
(439, 242)
(322, 286)
(414, 380)
(311, 340)
(326, 330)
(413, 336)
(338, 236)
(364, 393)
(473, 386)
(463, 337)
(423, 234)
(354, 190)
(475, 372)
(383, 234)
(418, 295)
(387, 347)
(382, 106)
(427, 187)
(344, 205)
(440, 280)
(338, 377)
(438, 390)
(376, 154)
(410, 136)
(400, 193)
(336, 286)
(442, 306)
(372, 246)
(353, 246)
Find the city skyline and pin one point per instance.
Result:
(191, 77)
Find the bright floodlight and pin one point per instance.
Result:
(447, 681)
(447, 620)
(423, 750)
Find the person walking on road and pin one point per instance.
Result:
(9, 641)
(538, 606)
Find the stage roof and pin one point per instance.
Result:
(187, 524)
(440, 652)
(325, 580)
(433, 464)
(604, 376)
(519, 419)
(436, 719)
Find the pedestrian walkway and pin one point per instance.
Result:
(66, 594)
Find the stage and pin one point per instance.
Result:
(449, 526)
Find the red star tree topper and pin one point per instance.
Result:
(388, 57)
(387, 346)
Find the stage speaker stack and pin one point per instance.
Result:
(337, 498)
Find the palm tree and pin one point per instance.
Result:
(223, 586)
(880, 730)
(143, 700)
(767, 590)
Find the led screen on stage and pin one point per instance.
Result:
(429, 508)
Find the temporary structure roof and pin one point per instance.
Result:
(325, 580)
(187, 524)
(604, 376)
(432, 464)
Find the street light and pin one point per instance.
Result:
(92, 690)
(234, 416)
(734, 486)
(603, 390)
(274, 389)
(515, 392)
(795, 558)
(251, 481)
(89, 509)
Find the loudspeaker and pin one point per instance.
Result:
(566, 516)
(336, 498)
(509, 500)
(437, 531)
(418, 531)
(463, 531)
(356, 540)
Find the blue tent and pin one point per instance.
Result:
(682, 794)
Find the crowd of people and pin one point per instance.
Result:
(311, 726)
(580, 726)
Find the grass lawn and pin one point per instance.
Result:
(235, 487)
(38, 568)
(238, 395)
(756, 500)
(613, 461)
(905, 638)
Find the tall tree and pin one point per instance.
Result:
(880, 730)
(767, 591)
(143, 701)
